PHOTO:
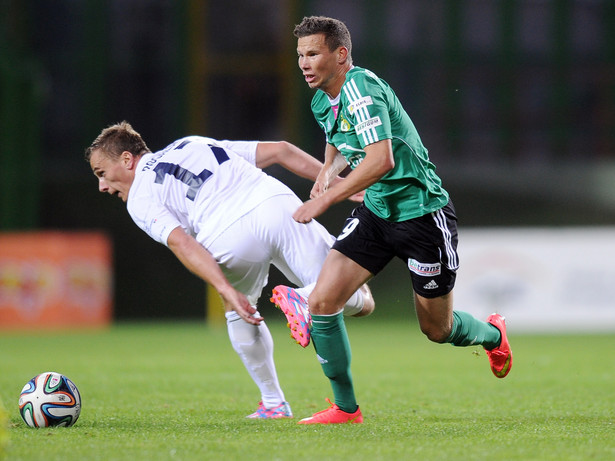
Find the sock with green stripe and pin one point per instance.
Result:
(333, 350)
(468, 331)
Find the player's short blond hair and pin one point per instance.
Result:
(115, 139)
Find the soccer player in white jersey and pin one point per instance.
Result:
(226, 221)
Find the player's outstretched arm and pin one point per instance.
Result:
(200, 262)
(289, 156)
(302, 164)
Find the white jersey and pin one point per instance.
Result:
(200, 184)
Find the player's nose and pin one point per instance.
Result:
(102, 185)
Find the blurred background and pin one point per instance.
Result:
(515, 100)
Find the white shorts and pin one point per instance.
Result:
(269, 235)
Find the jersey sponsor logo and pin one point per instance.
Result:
(424, 269)
(368, 124)
(362, 102)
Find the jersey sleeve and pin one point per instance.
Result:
(368, 107)
(245, 149)
(156, 220)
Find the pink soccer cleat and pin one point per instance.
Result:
(295, 309)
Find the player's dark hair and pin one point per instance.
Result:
(335, 31)
(115, 139)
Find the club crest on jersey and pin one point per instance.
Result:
(424, 269)
(344, 124)
(362, 102)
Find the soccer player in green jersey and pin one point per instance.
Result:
(406, 213)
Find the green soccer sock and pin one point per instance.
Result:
(333, 350)
(468, 331)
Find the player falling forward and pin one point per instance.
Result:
(227, 222)
(406, 213)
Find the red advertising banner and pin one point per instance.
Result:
(55, 280)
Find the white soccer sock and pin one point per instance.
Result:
(254, 345)
(353, 306)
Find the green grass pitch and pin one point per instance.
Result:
(166, 391)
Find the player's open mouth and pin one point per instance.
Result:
(309, 78)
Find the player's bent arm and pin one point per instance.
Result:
(289, 156)
(200, 262)
(378, 161)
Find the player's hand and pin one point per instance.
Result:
(318, 189)
(240, 304)
(310, 209)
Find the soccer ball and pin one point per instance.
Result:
(50, 399)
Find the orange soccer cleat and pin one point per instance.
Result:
(500, 358)
(333, 415)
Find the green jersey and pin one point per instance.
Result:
(367, 111)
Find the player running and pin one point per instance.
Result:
(227, 222)
(406, 213)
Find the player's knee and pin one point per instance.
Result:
(436, 333)
(322, 306)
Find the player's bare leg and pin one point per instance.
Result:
(441, 324)
(339, 278)
(435, 316)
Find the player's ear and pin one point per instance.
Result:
(342, 54)
(128, 160)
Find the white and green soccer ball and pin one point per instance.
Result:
(50, 399)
